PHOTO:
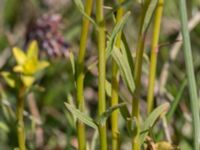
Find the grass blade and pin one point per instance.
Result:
(190, 73)
(176, 101)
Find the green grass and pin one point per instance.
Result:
(194, 101)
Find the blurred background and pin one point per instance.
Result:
(56, 25)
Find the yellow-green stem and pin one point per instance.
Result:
(135, 101)
(154, 52)
(115, 86)
(101, 70)
(137, 77)
(80, 74)
(20, 120)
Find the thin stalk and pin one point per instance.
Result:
(154, 52)
(176, 101)
(115, 89)
(80, 74)
(101, 70)
(137, 77)
(190, 74)
(20, 119)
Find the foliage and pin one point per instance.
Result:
(127, 61)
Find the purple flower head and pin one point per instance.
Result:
(46, 30)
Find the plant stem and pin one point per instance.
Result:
(80, 74)
(190, 74)
(135, 101)
(137, 77)
(176, 101)
(102, 70)
(20, 120)
(115, 88)
(154, 52)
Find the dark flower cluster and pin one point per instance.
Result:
(46, 31)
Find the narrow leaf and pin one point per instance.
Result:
(103, 118)
(108, 88)
(148, 15)
(176, 101)
(118, 27)
(4, 127)
(190, 74)
(151, 119)
(9, 78)
(72, 60)
(127, 52)
(124, 110)
(80, 7)
(132, 125)
(94, 140)
(124, 68)
(81, 116)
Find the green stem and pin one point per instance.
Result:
(137, 77)
(102, 70)
(135, 101)
(176, 101)
(115, 88)
(80, 74)
(190, 74)
(154, 52)
(20, 120)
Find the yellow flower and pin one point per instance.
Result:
(28, 63)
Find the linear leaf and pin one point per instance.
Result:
(132, 126)
(94, 140)
(127, 52)
(103, 118)
(176, 101)
(4, 127)
(108, 88)
(72, 60)
(124, 68)
(9, 78)
(148, 14)
(151, 119)
(80, 7)
(123, 110)
(117, 28)
(81, 116)
(194, 101)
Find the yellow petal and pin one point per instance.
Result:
(42, 65)
(19, 55)
(27, 80)
(32, 51)
(18, 68)
(30, 67)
